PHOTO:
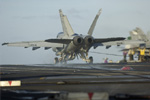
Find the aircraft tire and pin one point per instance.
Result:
(56, 61)
(91, 60)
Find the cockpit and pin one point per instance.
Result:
(75, 34)
(60, 34)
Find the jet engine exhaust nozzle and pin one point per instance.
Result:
(77, 40)
(88, 40)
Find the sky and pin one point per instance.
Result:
(32, 20)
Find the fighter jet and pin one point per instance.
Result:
(143, 43)
(68, 44)
(138, 35)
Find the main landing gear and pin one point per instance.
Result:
(90, 60)
(56, 61)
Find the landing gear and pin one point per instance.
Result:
(56, 61)
(90, 60)
(60, 60)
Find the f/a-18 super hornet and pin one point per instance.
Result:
(69, 45)
(138, 35)
(143, 44)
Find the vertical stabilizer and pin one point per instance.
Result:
(67, 29)
(90, 32)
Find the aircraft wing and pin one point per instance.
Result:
(39, 44)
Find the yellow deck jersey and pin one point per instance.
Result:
(142, 51)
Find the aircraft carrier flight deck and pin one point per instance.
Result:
(126, 78)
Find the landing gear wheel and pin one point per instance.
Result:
(56, 61)
(90, 60)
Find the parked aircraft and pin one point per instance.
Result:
(69, 45)
(138, 35)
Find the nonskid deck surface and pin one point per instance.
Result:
(108, 78)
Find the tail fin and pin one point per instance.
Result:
(67, 29)
(138, 34)
(90, 32)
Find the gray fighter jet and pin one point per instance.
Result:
(69, 45)
(138, 35)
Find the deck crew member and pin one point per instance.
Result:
(124, 56)
(142, 54)
(131, 53)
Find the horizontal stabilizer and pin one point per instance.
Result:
(108, 42)
(108, 39)
(62, 41)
